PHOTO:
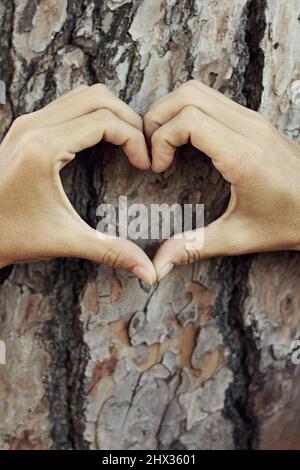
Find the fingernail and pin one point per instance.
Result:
(143, 274)
(165, 270)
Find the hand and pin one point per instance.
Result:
(37, 220)
(262, 166)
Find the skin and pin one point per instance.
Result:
(37, 219)
(261, 165)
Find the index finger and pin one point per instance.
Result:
(87, 100)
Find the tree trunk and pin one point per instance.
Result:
(96, 359)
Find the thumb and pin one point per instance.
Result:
(220, 238)
(87, 243)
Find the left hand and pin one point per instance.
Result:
(37, 220)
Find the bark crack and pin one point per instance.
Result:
(245, 356)
(65, 330)
(255, 29)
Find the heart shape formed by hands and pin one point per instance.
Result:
(38, 221)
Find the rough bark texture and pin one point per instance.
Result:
(95, 358)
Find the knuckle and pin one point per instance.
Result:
(103, 114)
(112, 257)
(185, 89)
(152, 120)
(189, 256)
(237, 171)
(21, 123)
(245, 164)
(27, 138)
(98, 94)
(138, 134)
(190, 112)
(33, 142)
(149, 116)
(140, 123)
(99, 88)
(135, 136)
(157, 137)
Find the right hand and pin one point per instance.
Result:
(37, 221)
(261, 165)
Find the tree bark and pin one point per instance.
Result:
(96, 359)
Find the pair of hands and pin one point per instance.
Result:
(37, 221)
